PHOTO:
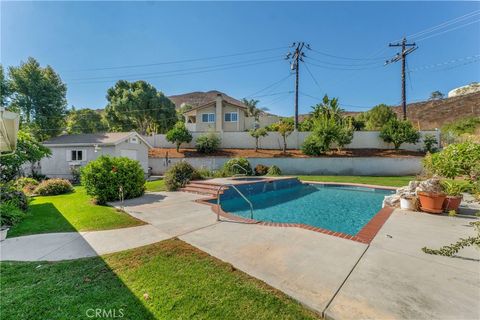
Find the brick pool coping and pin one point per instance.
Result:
(365, 235)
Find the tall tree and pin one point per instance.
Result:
(85, 121)
(40, 96)
(4, 88)
(329, 108)
(139, 106)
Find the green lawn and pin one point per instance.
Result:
(178, 281)
(155, 186)
(70, 212)
(381, 181)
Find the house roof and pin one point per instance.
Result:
(86, 139)
(199, 99)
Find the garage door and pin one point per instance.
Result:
(131, 154)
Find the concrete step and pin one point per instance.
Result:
(203, 185)
(199, 190)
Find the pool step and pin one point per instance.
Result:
(201, 188)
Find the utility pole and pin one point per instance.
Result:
(402, 56)
(296, 56)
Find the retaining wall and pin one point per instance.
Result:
(368, 166)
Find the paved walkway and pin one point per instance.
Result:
(391, 278)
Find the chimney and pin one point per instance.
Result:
(219, 113)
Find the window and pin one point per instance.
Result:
(231, 116)
(134, 140)
(208, 117)
(77, 155)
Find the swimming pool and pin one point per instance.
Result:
(339, 208)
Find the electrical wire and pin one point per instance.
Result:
(445, 31)
(270, 86)
(311, 75)
(441, 64)
(346, 58)
(181, 61)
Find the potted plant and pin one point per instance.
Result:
(408, 202)
(454, 197)
(431, 202)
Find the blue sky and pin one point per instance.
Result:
(93, 44)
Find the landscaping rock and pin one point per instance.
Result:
(391, 201)
(429, 185)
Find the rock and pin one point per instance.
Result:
(429, 185)
(412, 185)
(391, 201)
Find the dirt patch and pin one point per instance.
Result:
(251, 153)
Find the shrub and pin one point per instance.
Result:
(461, 159)
(179, 134)
(179, 175)
(104, 177)
(25, 184)
(429, 141)
(235, 165)
(208, 143)
(314, 146)
(10, 214)
(274, 171)
(53, 187)
(8, 194)
(261, 170)
(377, 117)
(399, 132)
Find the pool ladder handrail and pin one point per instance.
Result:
(239, 192)
(244, 170)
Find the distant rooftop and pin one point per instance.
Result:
(89, 138)
(198, 98)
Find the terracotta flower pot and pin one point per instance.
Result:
(452, 202)
(431, 202)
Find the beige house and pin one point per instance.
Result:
(216, 111)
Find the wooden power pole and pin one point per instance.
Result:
(402, 56)
(296, 56)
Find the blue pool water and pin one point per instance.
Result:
(337, 208)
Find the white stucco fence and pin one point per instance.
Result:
(243, 140)
(374, 166)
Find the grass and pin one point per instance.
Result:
(381, 181)
(70, 212)
(167, 280)
(155, 186)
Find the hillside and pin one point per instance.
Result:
(433, 114)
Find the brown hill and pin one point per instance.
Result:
(435, 113)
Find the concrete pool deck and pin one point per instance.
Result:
(339, 278)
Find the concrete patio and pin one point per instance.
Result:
(339, 278)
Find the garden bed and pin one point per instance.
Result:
(251, 153)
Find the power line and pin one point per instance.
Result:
(441, 64)
(311, 75)
(445, 31)
(174, 71)
(345, 69)
(346, 65)
(272, 94)
(270, 86)
(184, 73)
(443, 25)
(180, 61)
(346, 58)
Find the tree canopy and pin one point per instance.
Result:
(139, 106)
(436, 95)
(398, 132)
(377, 117)
(85, 121)
(39, 95)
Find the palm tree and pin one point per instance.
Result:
(252, 110)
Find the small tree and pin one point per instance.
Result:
(399, 132)
(257, 134)
(436, 95)
(179, 134)
(285, 129)
(344, 134)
